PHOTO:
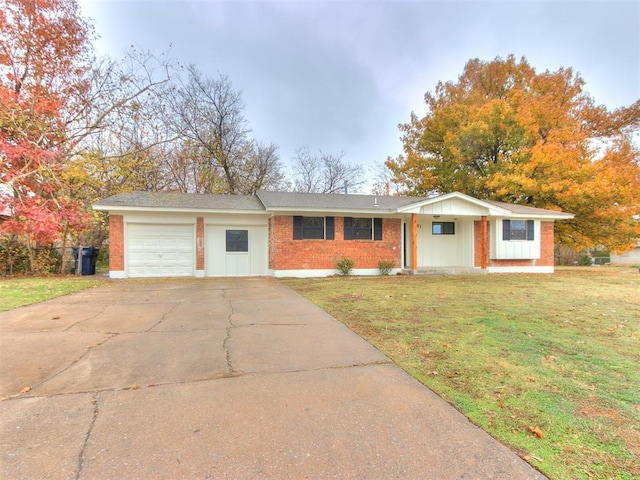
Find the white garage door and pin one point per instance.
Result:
(236, 251)
(160, 250)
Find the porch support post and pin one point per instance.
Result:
(414, 242)
(483, 242)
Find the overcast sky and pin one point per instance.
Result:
(339, 76)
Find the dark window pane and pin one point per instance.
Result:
(348, 228)
(377, 229)
(517, 230)
(297, 228)
(362, 228)
(237, 240)
(313, 228)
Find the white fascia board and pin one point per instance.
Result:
(493, 209)
(330, 213)
(109, 208)
(541, 216)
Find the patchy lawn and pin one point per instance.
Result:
(547, 364)
(17, 292)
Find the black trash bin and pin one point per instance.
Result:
(89, 258)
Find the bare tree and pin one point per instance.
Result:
(324, 173)
(383, 183)
(209, 115)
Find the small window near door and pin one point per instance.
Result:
(237, 240)
(443, 228)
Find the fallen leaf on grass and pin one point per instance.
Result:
(25, 390)
(446, 345)
(536, 431)
(550, 358)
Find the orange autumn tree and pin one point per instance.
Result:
(507, 133)
(44, 59)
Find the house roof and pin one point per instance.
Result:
(290, 201)
(264, 202)
(179, 201)
(516, 209)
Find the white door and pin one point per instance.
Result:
(160, 250)
(236, 251)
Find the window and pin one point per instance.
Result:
(362, 228)
(313, 228)
(237, 240)
(443, 228)
(517, 229)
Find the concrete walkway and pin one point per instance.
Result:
(218, 378)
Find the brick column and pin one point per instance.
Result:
(116, 243)
(199, 244)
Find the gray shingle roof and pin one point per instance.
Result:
(182, 201)
(333, 202)
(524, 210)
(286, 201)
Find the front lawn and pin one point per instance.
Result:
(547, 364)
(17, 292)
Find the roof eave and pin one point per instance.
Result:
(124, 208)
(301, 210)
(493, 210)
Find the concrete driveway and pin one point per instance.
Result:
(218, 378)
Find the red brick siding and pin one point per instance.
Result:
(288, 254)
(546, 249)
(200, 243)
(547, 244)
(116, 243)
(477, 243)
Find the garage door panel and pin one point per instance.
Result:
(160, 250)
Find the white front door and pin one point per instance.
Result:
(160, 250)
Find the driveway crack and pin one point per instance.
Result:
(84, 354)
(227, 338)
(162, 317)
(81, 456)
(104, 307)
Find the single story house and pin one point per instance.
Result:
(631, 257)
(305, 234)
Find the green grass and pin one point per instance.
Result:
(558, 353)
(18, 292)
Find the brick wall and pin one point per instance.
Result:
(288, 254)
(546, 249)
(477, 243)
(200, 243)
(116, 243)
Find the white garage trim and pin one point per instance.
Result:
(160, 250)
